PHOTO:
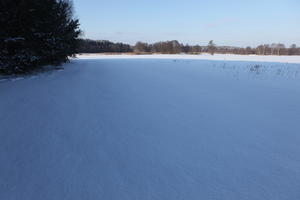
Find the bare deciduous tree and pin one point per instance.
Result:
(211, 47)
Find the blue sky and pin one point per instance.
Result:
(230, 22)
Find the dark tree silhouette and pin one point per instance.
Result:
(102, 46)
(35, 33)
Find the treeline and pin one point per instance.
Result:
(174, 47)
(102, 46)
(35, 33)
(266, 49)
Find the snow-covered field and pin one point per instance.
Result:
(219, 57)
(151, 128)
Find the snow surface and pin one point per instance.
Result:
(219, 57)
(152, 129)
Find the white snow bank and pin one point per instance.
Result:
(224, 57)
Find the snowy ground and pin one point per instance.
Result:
(152, 129)
(219, 57)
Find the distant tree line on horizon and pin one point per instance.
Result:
(102, 46)
(174, 47)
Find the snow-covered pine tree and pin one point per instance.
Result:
(35, 33)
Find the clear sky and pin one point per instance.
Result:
(227, 22)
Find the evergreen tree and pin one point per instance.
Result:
(36, 33)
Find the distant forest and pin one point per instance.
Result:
(174, 47)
